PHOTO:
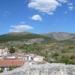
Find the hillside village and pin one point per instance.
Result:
(10, 61)
(37, 37)
(30, 64)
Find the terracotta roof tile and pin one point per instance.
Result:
(11, 62)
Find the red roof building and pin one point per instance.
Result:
(11, 62)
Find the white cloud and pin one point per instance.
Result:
(71, 6)
(46, 6)
(63, 1)
(20, 28)
(36, 18)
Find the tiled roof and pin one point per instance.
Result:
(11, 62)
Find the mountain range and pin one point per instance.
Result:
(14, 36)
(54, 46)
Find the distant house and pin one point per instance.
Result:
(38, 59)
(29, 57)
(13, 63)
(34, 57)
(3, 52)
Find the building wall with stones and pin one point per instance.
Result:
(43, 69)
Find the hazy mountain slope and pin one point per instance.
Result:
(20, 36)
(60, 35)
(54, 36)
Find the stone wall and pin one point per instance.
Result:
(43, 69)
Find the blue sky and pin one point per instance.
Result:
(37, 16)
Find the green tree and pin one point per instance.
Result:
(12, 49)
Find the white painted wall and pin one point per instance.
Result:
(38, 58)
(3, 52)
